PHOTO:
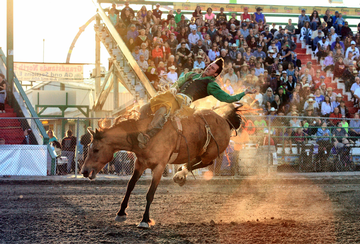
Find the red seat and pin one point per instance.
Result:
(349, 104)
(337, 91)
(353, 110)
(333, 85)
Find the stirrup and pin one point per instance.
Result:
(143, 139)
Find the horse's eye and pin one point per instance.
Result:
(96, 150)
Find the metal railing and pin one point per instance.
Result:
(256, 153)
(24, 108)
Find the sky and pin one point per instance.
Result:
(58, 23)
(55, 21)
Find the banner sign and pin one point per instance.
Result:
(23, 160)
(266, 9)
(48, 72)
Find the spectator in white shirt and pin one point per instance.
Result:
(230, 75)
(199, 63)
(172, 75)
(354, 87)
(193, 38)
(353, 49)
(143, 63)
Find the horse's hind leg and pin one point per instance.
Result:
(138, 170)
(157, 173)
(180, 177)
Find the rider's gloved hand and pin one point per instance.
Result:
(173, 90)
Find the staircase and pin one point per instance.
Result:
(126, 68)
(304, 53)
(10, 129)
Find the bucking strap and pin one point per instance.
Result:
(175, 154)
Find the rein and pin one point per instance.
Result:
(209, 132)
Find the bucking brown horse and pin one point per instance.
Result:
(122, 136)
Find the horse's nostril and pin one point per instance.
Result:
(85, 173)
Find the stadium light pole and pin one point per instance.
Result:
(10, 46)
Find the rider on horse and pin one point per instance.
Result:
(189, 88)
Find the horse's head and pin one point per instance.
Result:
(99, 154)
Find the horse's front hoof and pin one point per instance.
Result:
(121, 218)
(179, 179)
(143, 225)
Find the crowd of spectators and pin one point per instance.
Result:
(256, 54)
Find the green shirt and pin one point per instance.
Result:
(345, 126)
(177, 17)
(212, 89)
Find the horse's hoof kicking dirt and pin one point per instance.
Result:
(144, 225)
(119, 218)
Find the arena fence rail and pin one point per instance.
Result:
(264, 145)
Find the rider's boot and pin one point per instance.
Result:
(160, 118)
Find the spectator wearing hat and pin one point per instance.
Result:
(245, 15)
(302, 19)
(269, 60)
(268, 96)
(199, 63)
(233, 52)
(331, 94)
(258, 15)
(259, 52)
(353, 49)
(244, 31)
(316, 36)
(132, 33)
(193, 38)
(221, 17)
(337, 101)
(311, 101)
(172, 75)
(157, 12)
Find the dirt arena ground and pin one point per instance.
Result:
(217, 211)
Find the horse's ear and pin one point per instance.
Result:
(96, 130)
(91, 132)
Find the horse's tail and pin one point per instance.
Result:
(232, 117)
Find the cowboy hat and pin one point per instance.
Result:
(294, 113)
(311, 100)
(172, 67)
(306, 85)
(273, 109)
(199, 56)
(338, 95)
